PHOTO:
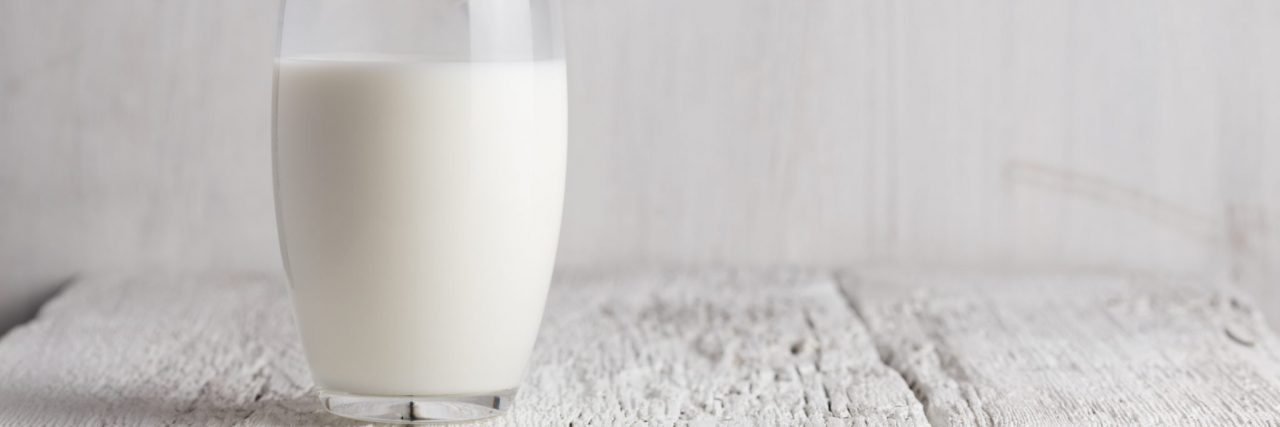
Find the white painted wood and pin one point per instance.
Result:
(1128, 134)
(133, 134)
(694, 347)
(989, 350)
(700, 348)
(993, 133)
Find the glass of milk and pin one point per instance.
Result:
(419, 173)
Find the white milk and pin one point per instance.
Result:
(419, 208)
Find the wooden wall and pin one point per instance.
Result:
(1133, 134)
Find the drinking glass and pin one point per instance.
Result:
(419, 161)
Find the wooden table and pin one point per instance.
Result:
(702, 347)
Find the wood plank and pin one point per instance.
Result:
(697, 347)
(1073, 350)
(1138, 133)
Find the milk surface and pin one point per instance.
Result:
(419, 209)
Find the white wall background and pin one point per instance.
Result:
(1133, 134)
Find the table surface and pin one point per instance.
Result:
(700, 347)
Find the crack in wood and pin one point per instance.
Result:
(884, 357)
(1078, 349)
(786, 351)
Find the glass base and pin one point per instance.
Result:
(417, 409)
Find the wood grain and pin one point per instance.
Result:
(702, 348)
(133, 135)
(696, 347)
(1116, 350)
(1136, 134)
